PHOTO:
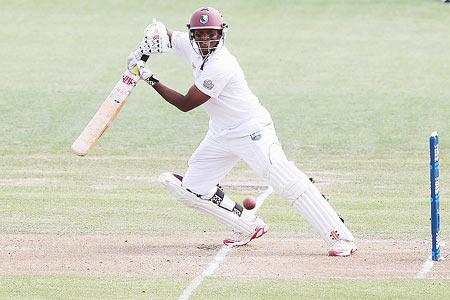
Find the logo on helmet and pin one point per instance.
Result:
(204, 19)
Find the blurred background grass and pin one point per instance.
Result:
(354, 88)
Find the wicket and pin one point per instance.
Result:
(435, 211)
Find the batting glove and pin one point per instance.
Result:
(156, 39)
(133, 59)
(146, 74)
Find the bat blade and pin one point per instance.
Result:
(106, 114)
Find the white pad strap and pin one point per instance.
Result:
(223, 209)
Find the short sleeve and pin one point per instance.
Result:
(213, 79)
(181, 44)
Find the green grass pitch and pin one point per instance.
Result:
(355, 88)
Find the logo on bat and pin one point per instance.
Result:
(128, 80)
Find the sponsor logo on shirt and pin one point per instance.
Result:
(193, 66)
(208, 84)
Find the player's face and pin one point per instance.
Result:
(207, 39)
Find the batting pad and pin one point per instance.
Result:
(319, 213)
(291, 183)
(285, 178)
(222, 212)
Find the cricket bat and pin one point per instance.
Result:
(107, 112)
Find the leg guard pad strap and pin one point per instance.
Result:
(220, 207)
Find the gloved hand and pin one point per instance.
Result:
(156, 39)
(132, 61)
(145, 73)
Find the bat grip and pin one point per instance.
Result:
(144, 58)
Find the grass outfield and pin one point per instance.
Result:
(354, 88)
(163, 288)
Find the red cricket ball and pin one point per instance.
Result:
(249, 202)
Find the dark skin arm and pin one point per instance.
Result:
(191, 100)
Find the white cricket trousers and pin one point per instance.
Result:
(216, 156)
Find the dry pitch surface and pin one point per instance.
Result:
(271, 256)
(275, 255)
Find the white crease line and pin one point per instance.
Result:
(426, 267)
(220, 256)
(16, 248)
(260, 199)
(428, 264)
(210, 269)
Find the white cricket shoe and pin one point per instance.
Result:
(342, 248)
(239, 239)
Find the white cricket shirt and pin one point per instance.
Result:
(233, 109)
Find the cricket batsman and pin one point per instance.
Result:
(239, 128)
